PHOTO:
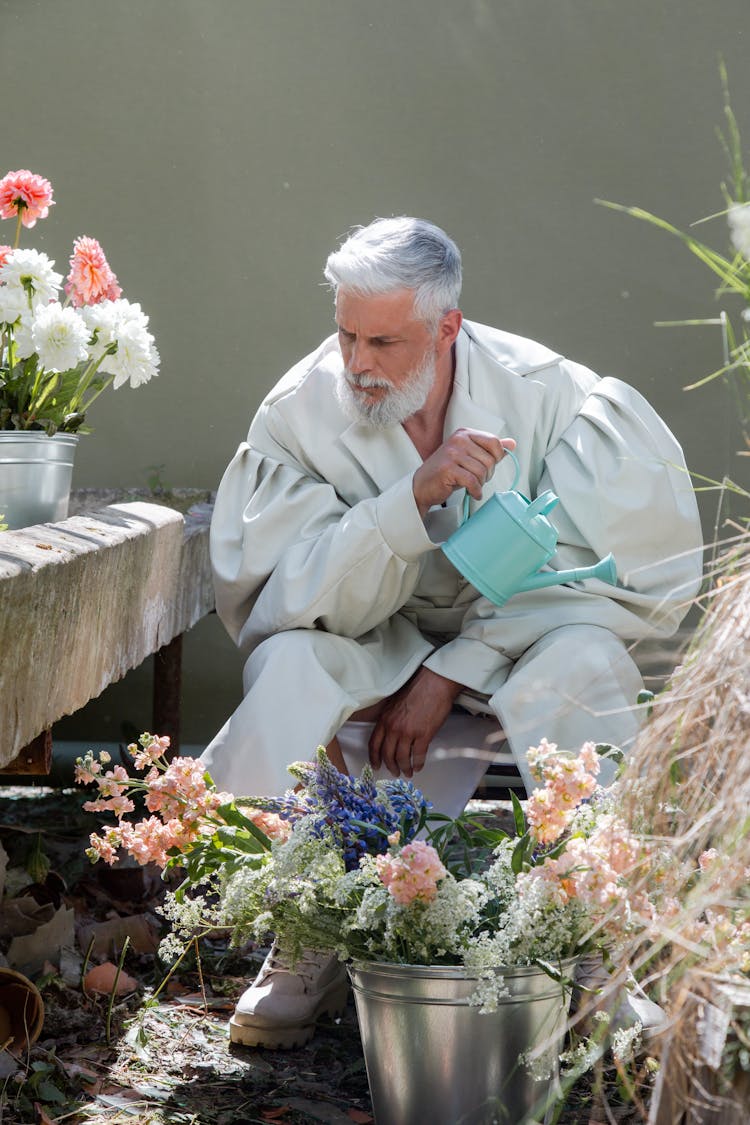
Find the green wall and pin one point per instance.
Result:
(219, 148)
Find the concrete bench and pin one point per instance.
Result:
(84, 601)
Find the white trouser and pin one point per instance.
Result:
(457, 760)
(576, 683)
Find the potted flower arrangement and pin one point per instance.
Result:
(460, 939)
(56, 356)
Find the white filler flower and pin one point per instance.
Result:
(31, 270)
(60, 338)
(738, 218)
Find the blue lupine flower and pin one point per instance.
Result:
(358, 813)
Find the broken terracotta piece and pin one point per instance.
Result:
(102, 979)
(21, 1011)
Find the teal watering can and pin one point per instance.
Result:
(502, 546)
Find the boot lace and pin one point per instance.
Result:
(308, 967)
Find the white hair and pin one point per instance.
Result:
(400, 253)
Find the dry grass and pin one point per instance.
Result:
(687, 790)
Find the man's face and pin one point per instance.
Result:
(389, 357)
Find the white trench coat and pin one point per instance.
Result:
(336, 592)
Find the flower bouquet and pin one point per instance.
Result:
(57, 357)
(443, 922)
(366, 869)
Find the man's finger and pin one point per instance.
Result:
(491, 443)
(419, 750)
(389, 752)
(375, 746)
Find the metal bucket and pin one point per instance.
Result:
(433, 1057)
(35, 476)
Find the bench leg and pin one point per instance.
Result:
(36, 758)
(167, 691)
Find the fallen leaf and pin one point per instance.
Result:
(276, 1114)
(319, 1111)
(28, 953)
(176, 988)
(102, 979)
(23, 915)
(71, 964)
(196, 1000)
(109, 937)
(41, 1117)
(9, 1065)
(360, 1116)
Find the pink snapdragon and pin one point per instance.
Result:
(567, 782)
(91, 279)
(147, 755)
(274, 826)
(27, 194)
(597, 872)
(412, 874)
(181, 791)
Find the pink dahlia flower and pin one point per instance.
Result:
(90, 279)
(4, 252)
(26, 192)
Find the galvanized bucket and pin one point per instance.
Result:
(35, 476)
(433, 1057)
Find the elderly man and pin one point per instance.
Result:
(358, 632)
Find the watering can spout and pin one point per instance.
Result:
(605, 570)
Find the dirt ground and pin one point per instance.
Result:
(164, 1061)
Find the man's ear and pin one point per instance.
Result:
(448, 329)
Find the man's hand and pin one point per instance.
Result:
(466, 460)
(409, 721)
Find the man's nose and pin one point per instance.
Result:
(361, 358)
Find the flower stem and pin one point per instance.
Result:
(36, 406)
(84, 382)
(20, 206)
(113, 993)
(85, 406)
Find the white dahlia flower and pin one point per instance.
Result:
(122, 326)
(13, 303)
(32, 272)
(60, 338)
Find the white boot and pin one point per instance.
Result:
(280, 1007)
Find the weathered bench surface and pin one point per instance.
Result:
(85, 600)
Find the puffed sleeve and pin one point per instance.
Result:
(288, 553)
(623, 488)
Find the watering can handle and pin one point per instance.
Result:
(467, 498)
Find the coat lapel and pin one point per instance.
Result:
(385, 455)
(471, 405)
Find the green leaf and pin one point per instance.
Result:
(518, 814)
(48, 1092)
(607, 750)
(518, 858)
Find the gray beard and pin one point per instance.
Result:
(396, 405)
